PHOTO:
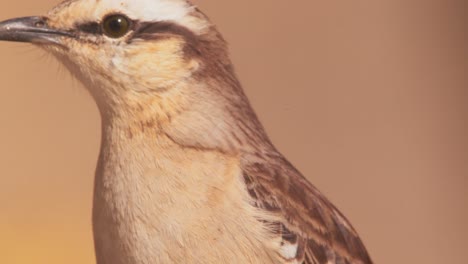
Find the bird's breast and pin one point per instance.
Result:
(162, 203)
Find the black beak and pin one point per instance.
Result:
(30, 29)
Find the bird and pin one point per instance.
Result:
(186, 172)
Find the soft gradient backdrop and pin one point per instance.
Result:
(368, 98)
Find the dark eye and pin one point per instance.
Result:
(116, 26)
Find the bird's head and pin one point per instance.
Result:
(125, 49)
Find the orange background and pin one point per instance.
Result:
(368, 98)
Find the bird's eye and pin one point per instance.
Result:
(116, 26)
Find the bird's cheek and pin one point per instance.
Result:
(155, 65)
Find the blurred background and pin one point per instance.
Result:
(369, 99)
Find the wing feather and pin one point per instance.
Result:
(311, 229)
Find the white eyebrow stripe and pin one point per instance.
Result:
(149, 10)
(177, 11)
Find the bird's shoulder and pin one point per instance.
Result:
(311, 229)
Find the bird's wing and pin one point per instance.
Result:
(310, 228)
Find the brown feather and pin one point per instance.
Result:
(322, 233)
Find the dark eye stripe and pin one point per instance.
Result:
(90, 27)
(153, 30)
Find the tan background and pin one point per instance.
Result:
(367, 98)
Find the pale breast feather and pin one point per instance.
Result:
(310, 228)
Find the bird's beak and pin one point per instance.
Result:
(30, 29)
